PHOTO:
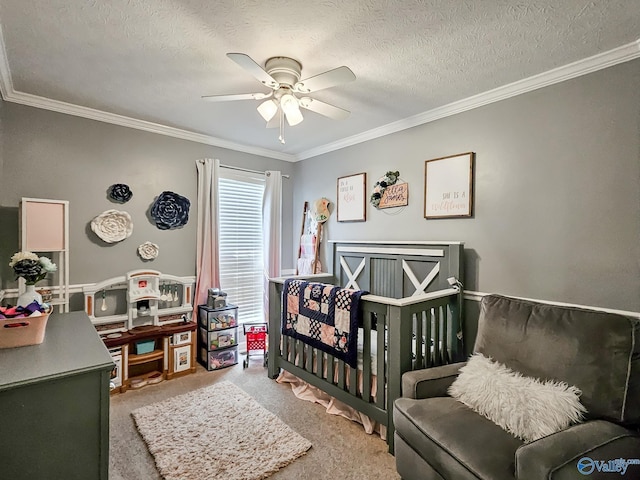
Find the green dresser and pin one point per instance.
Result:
(54, 404)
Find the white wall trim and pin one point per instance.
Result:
(477, 297)
(77, 288)
(613, 57)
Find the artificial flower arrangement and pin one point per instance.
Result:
(389, 178)
(31, 267)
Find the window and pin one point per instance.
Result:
(240, 242)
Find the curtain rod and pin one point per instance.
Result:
(247, 170)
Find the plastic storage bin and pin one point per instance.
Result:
(221, 358)
(215, 339)
(216, 318)
(145, 346)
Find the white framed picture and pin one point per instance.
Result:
(181, 338)
(448, 186)
(351, 204)
(181, 358)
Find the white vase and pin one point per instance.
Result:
(29, 296)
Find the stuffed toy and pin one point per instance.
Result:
(320, 210)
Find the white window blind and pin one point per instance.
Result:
(240, 242)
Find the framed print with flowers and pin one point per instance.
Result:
(351, 204)
(448, 186)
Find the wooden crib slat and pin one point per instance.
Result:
(319, 362)
(427, 337)
(436, 336)
(331, 365)
(445, 335)
(417, 329)
(341, 375)
(366, 356)
(382, 360)
(308, 358)
(353, 381)
(298, 359)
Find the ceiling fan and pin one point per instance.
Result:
(288, 93)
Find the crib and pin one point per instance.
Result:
(411, 319)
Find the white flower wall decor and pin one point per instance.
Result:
(148, 251)
(112, 226)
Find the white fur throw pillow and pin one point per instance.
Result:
(525, 407)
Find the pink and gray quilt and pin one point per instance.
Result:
(323, 316)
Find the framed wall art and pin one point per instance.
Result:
(448, 186)
(351, 204)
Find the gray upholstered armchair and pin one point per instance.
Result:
(438, 437)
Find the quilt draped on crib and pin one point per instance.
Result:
(323, 316)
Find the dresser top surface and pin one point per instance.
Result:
(71, 346)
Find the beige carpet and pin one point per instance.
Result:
(217, 432)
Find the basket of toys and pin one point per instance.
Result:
(22, 326)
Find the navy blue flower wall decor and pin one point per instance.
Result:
(120, 192)
(170, 211)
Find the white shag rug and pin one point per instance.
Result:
(217, 432)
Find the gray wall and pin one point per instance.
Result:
(557, 190)
(52, 155)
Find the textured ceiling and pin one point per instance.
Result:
(152, 60)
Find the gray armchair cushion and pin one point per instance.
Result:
(566, 344)
(430, 382)
(457, 442)
(556, 456)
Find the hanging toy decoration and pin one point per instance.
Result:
(320, 210)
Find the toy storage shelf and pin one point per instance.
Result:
(145, 357)
(218, 339)
(155, 338)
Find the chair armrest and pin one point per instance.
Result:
(556, 456)
(430, 382)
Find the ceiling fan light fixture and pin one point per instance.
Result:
(268, 109)
(291, 109)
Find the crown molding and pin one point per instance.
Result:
(9, 94)
(603, 60)
(6, 83)
(607, 59)
(93, 114)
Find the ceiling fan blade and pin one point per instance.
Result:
(246, 62)
(324, 80)
(237, 96)
(324, 108)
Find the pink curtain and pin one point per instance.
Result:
(207, 258)
(272, 231)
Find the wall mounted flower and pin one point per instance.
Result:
(120, 192)
(389, 178)
(112, 226)
(148, 251)
(170, 211)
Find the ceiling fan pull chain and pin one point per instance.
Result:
(281, 137)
